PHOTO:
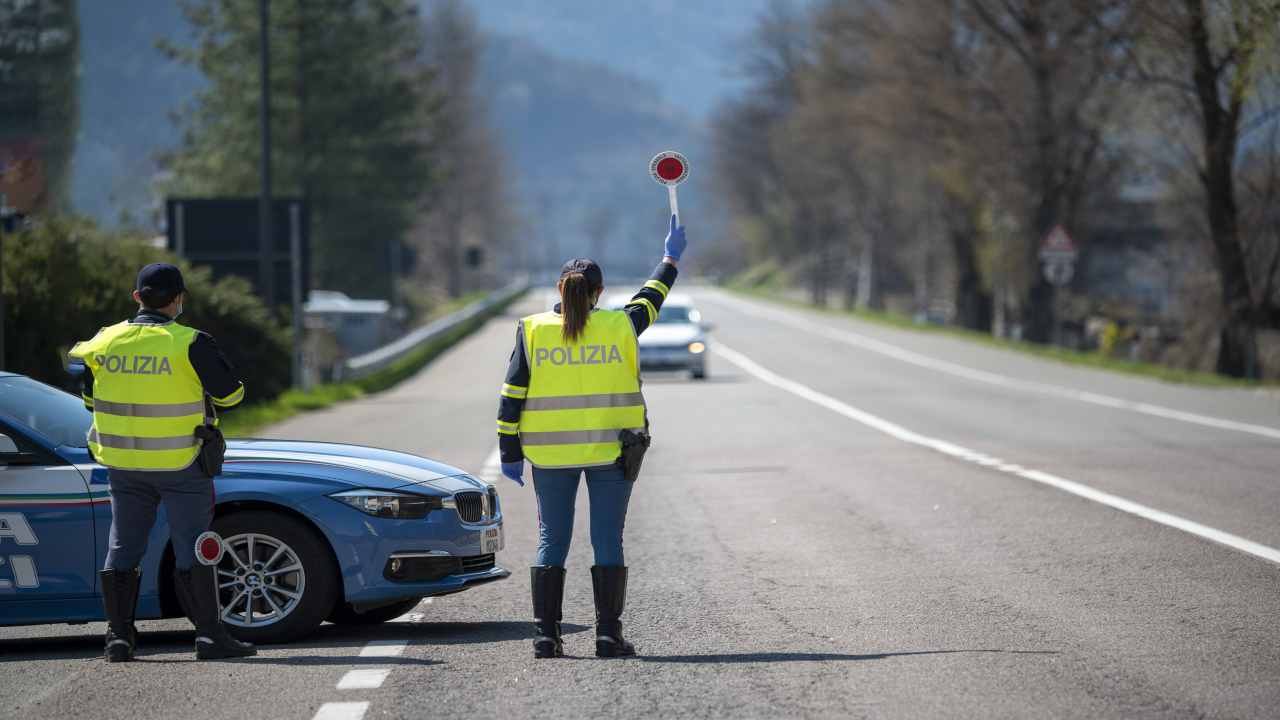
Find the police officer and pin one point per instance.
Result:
(572, 386)
(150, 383)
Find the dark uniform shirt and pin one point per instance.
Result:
(223, 390)
(643, 311)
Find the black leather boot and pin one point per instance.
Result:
(610, 585)
(547, 582)
(199, 596)
(120, 601)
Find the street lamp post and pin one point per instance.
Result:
(266, 244)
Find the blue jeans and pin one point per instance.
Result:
(609, 492)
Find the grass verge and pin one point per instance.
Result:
(245, 421)
(1049, 352)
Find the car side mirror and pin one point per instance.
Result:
(11, 455)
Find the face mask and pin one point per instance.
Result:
(178, 314)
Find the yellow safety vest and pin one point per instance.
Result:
(581, 394)
(147, 398)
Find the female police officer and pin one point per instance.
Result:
(572, 387)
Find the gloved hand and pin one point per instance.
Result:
(513, 472)
(675, 240)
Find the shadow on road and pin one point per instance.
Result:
(85, 646)
(775, 657)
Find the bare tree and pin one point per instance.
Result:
(1208, 57)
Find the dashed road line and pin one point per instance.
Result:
(364, 679)
(901, 433)
(384, 648)
(983, 376)
(341, 711)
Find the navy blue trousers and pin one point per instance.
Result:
(609, 494)
(188, 505)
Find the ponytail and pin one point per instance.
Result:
(575, 305)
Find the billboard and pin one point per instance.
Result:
(222, 233)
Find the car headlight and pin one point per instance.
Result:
(697, 348)
(387, 504)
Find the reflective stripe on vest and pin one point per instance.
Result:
(147, 398)
(121, 442)
(582, 402)
(157, 410)
(581, 394)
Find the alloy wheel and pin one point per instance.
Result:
(260, 580)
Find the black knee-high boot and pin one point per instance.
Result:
(120, 601)
(547, 582)
(610, 585)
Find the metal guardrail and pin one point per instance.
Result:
(374, 360)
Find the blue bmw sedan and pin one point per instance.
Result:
(314, 531)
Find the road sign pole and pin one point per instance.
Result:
(675, 204)
(295, 294)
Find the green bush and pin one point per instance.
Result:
(65, 278)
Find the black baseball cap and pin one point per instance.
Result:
(589, 269)
(160, 279)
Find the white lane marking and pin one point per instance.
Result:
(364, 679)
(384, 648)
(492, 469)
(963, 453)
(341, 711)
(879, 346)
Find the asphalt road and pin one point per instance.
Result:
(844, 521)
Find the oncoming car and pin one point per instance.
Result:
(677, 341)
(314, 531)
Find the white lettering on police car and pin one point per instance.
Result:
(24, 573)
(15, 525)
(23, 567)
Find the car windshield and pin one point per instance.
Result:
(676, 315)
(56, 415)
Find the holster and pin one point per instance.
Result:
(634, 445)
(212, 450)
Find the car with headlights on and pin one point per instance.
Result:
(678, 341)
(314, 531)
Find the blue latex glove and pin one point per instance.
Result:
(675, 240)
(513, 472)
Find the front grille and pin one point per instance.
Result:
(470, 506)
(477, 563)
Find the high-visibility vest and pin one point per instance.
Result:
(581, 394)
(147, 399)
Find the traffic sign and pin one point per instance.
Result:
(670, 168)
(1058, 245)
(1058, 253)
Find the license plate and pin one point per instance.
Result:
(491, 540)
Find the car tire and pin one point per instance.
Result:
(699, 373)
(345, 615)
(322, 585)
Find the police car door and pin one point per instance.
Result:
(47, 558)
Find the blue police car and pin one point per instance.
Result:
(314, 531)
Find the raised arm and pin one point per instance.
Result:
(644, 306)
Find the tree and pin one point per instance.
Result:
(1050, 71)
(1209, 57)
(470, 208)
(39, 102)
(350, 99)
